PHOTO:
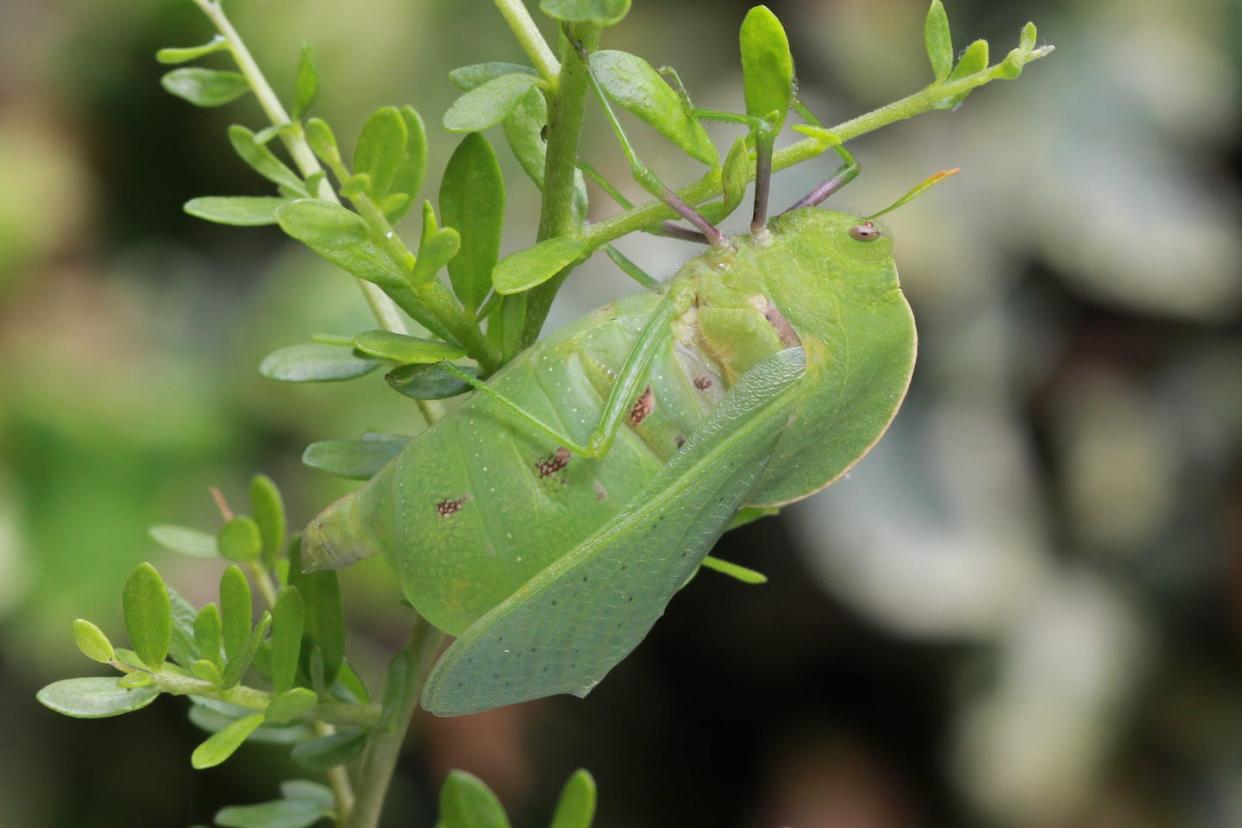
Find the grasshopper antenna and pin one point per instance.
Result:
(920, 188)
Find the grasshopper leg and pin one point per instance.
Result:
(620, 399)
(846, 173)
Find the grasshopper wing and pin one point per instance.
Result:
(563, 630)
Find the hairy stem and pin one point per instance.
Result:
(401, 693)
(515, 14)
(385, 310)
(558, 217)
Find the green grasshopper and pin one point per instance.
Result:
(548, 519)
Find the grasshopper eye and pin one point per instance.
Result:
(865, 232)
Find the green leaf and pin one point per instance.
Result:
(222, 745)
(465, 802)
(290, 705)
(236, 611)
(598, 12)
(341, 237)
(533, 266)
(94, 698)
(351, 459)
(269, 514)
(438, 247)
(288, 619)
(632, 83)
(1028, 38)
(736, 174)
(310, 791)
(213, 716)
(767, 66)
(349, 685)
(235, 666)
(327, 752)
(184, 540)
(263, 161)
(181, 646)
(472, 201)
(240, 539)
(185, 54)
(207, 633)
(404, 349)
(428, 382)
(208, 671)
(470, 77)
(140, 678)
(938, 40)
(306, 86)
(322, 142)
(576, 807)
(408, 178)
(92, 641)
(313, 362)
(238, 211)
(205, 87)
(381, 149)
(974, 59)
(148, 615)
(524, 131)
(485, 106)
(279, 813)
(325, 622)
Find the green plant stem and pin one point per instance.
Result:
(566, 109)
(384, 746)
(338, 780)
(708, 187)
(527, 33)
(385, 310)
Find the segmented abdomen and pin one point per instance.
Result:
(480, 502)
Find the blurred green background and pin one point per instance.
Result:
(1023, 609)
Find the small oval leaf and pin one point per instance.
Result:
(342, 238)
(306, 85)
(428, 382)
(465, 802)
(485, 106)
(269, 514)
(92, 641)
(279, 813)
(185, 54)
(325, 621)
(185, 540)
(533, 266)
(351, 459)
(314, 362)
(205, 87)
(263, 161)
(222, 745)
(634, 85)
(94, 697)
(404, 349)
(381, 149)
(472, 201)
(290, 704)
(288, 618)
(736, 174)
(598, 12)
(148, 615)
(470, 77)
(240, 539)
(576, 807)
(327, 752)
(236, 610)
(938, 39)
(767, 65)
(207, 633)
(238, 211)
(974, 59)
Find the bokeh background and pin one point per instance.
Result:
(1024, 609)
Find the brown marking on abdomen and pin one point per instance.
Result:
(451, 505)
(553, 463)
(703, 383)
(642, 407)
